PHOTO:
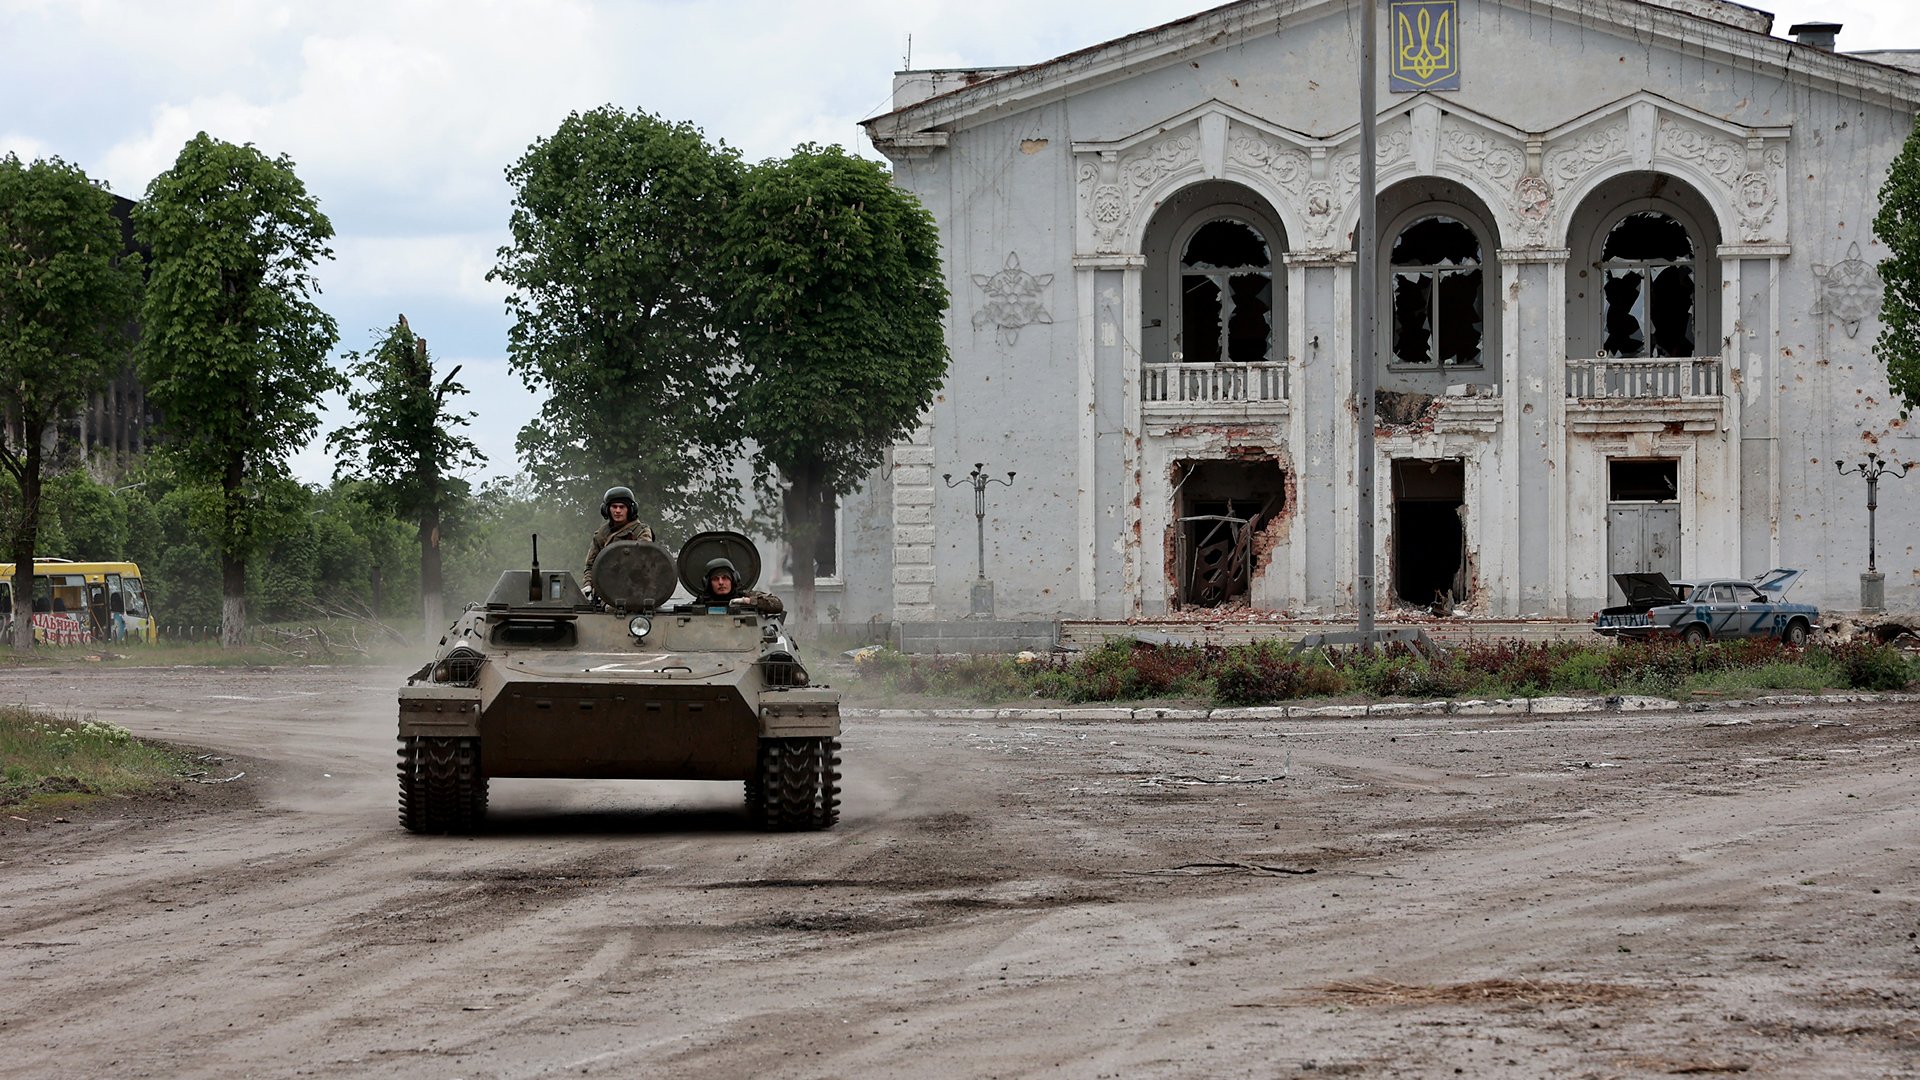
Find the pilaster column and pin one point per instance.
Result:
(913, 570)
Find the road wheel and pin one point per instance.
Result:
(799, 783)
(1694, 634)
(1796, 633)
(442, 789)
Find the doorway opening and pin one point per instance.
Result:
(1219, 508)
(1429, 535)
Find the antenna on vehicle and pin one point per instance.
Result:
(534, 591)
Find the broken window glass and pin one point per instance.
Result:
(1200, 320)
(1438, 305)
(1649, 294)
(1226, 304)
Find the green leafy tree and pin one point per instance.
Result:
(615, 294)
(67, 295)
(407, 446)
(493, 536)
(234, 349)
(1898, 227)
(839, 302)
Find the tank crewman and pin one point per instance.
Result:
(618, 508)
(720, 579)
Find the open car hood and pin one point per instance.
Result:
(1650, 589)
(1777, 581)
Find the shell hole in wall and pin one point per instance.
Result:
(1219, 508)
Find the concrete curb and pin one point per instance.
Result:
(1540, 706)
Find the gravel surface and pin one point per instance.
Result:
(1587, 895)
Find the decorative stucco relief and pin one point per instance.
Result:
(1288, 170)
(1391, 145)
(1112, 185)
(1849, 290)
(1499, 160)
(1533, 204)
(1013, 300)
(1568, 163)
(1751, 170)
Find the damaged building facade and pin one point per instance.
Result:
(1627, 294)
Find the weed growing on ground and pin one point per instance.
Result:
(51, 758)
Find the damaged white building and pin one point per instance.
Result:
(1627, 294)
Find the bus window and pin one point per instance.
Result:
(69, 592)
(116, 603)
(6, 598)
(136, 599)
(42, 594)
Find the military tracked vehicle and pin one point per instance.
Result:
(541, 681)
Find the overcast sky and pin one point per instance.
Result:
(401, 115)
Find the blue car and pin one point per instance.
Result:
(1698, 611)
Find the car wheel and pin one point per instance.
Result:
(1694, 634)
(1795, 634)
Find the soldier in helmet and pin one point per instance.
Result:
(618, 508)
(723, 589)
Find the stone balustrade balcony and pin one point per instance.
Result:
(1672, 377)
(1197, 391)
(1608, 394)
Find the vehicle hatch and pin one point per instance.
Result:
(1651, 589)
(1776, 582)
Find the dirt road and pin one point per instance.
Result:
(1591, 896)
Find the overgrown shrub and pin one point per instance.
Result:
(1861, 664)
(1263, 673)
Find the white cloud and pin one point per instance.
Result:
(393, 270)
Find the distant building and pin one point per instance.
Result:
(111, 430)
(1627, 298)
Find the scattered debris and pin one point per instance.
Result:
(220, 780)
(1226, 867)
(1588, 765)
(1188, 781)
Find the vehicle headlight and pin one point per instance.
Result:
(639, 626)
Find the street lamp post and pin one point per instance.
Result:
(1873, 584)
(978, 480)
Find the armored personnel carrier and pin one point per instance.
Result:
(540, 681)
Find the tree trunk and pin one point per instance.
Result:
(432, 602)
(233, 601)
(800, 505)
(233, 569)
(26, 532)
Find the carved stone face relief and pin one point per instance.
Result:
(1013, 300)
(1849, 291)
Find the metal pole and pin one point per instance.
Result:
(980, 532)
(978, 480)
(1873, 468)
(1364, 347)
(1873, 503)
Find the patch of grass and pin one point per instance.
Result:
(303, 649)
(1773, 676)
(1123, 670)
(61, 760)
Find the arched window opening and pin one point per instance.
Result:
(1438, 313)
(1226, 295)
(1648, 295)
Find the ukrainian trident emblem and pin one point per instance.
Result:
(1426, 45)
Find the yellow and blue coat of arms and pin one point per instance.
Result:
(1426, 45)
